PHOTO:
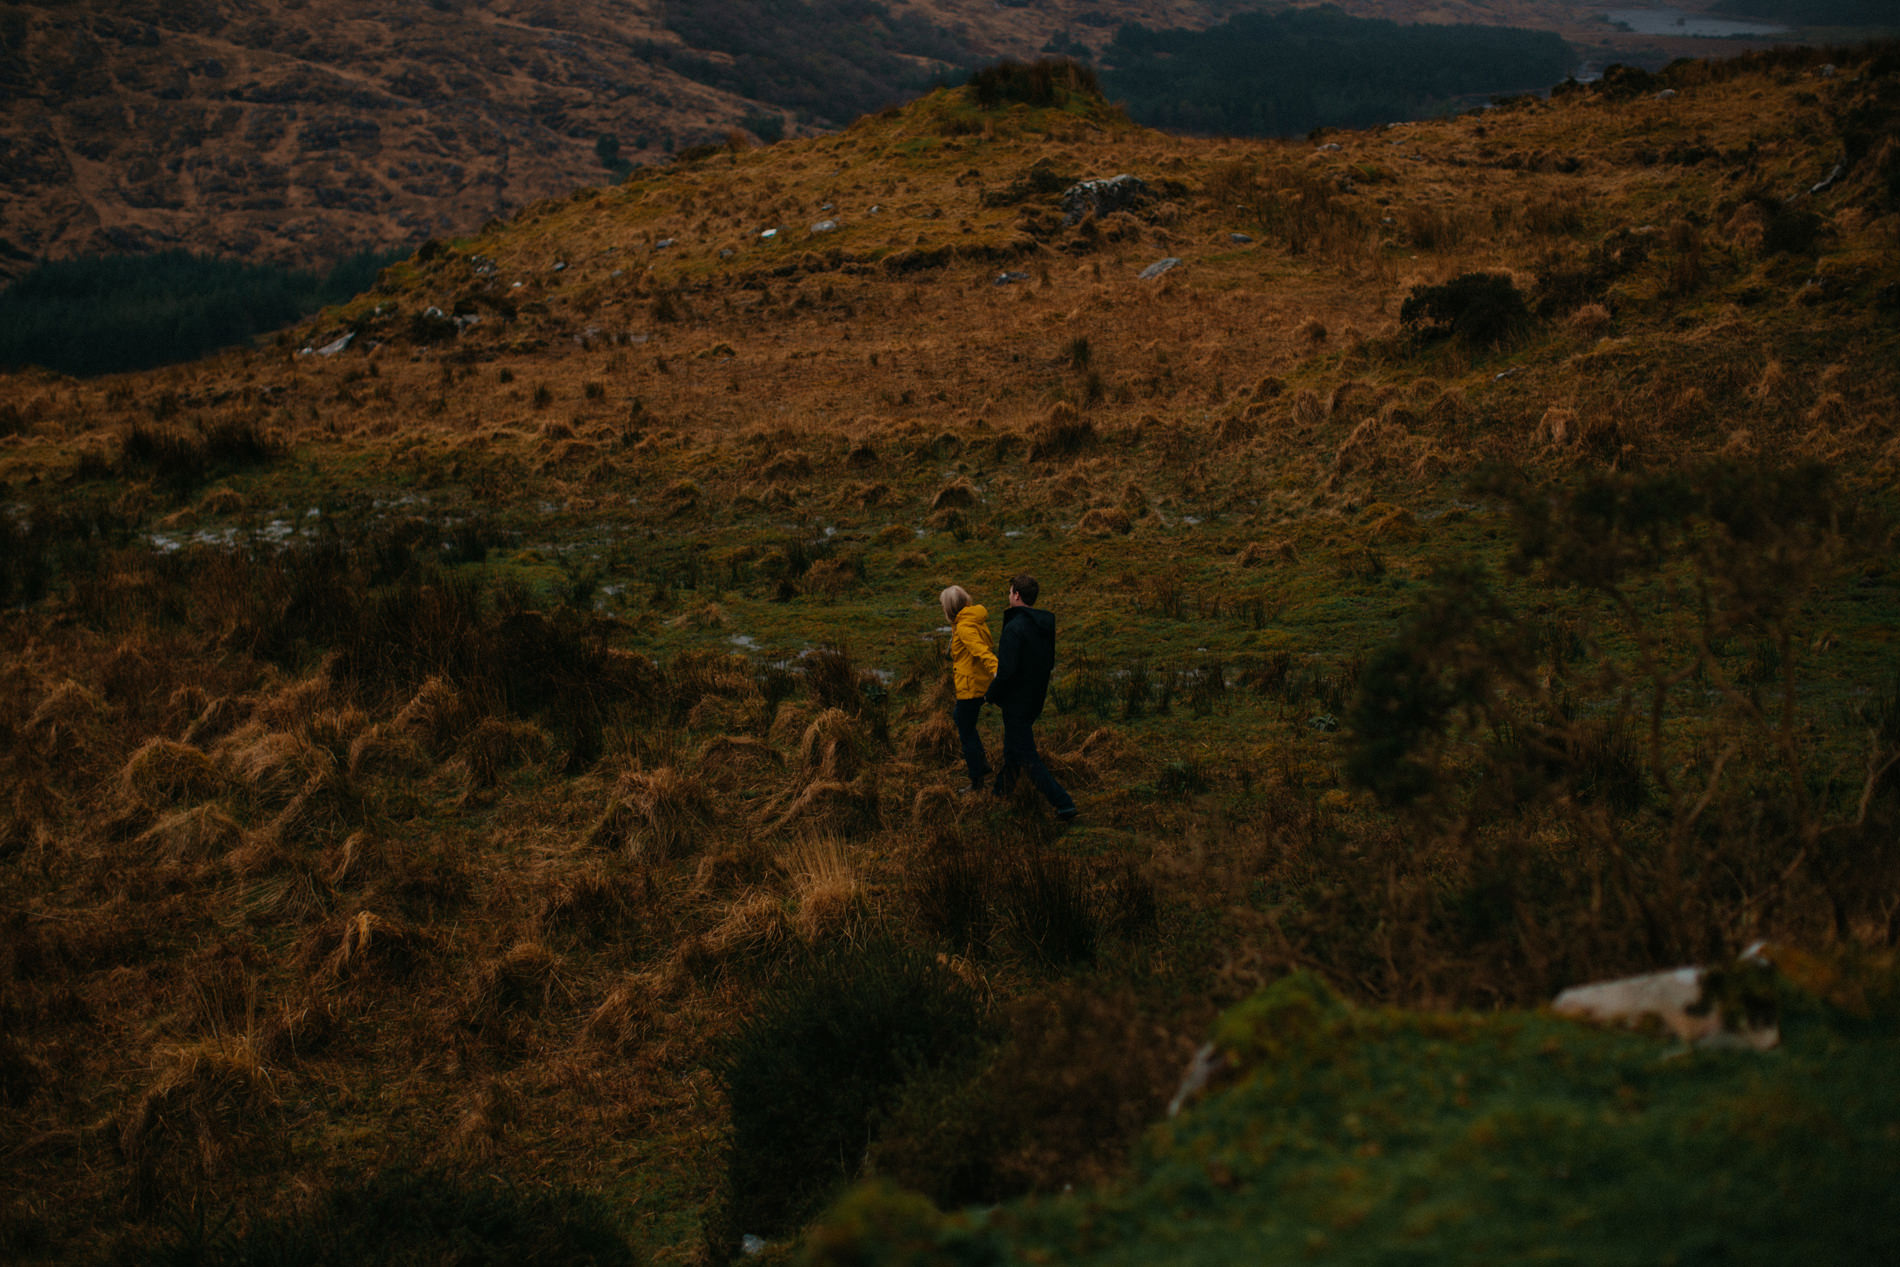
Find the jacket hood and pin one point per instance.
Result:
(1041, 622)
(975, 613)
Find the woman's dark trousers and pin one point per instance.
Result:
(974, 757)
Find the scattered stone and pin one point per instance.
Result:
(662, 244)
(767, 234)
(1828, 71)
(1332, 147)
(725, 252)
(335, 346)
(1007, 279)
(560, 266)
(1207, 1062)
(1665, 94)
(1099, 198)
(1159, 267)
(481, 266)
(1240, 239)
(1840, 170)
(825, 226)
(1326, 723)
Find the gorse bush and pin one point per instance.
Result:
(809, 1073)
(1482, 310)
(1048, 81)
(400, 1217)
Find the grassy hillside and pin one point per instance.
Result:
(480, 775)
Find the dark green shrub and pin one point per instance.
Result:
(809, 1074)
(1048, 81)
(399, 1218)
(1481, 309)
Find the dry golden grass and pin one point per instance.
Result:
(423, 899)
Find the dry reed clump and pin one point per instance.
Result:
(216, 719)
(221, 501)
(514, 987)
(436, 715)
(1312, 332)
(934, 740)
(209, 1105)
(728, 760)
(1395, 525)
(67, 719)
(164, 772)
(828, 897)
(1279, 550)
(627, 1019)
(957, 494)
(1309, 410)
(834, 746)
(596, 901)
(655, 815)
(497, 745)
(934, 806)
(718, 714)
(276, 766)
(1590, 321)
(386, 751)
(753, 925)
(847, 809)
(831, 577)
(366, 948)
(1557, 429)
(1103, 753)
(1375, 444)
(1105, 521)
(1062, 433)
(697, 674)
(295, 704)
(484, 1120)
(197, 834)
(358, 858)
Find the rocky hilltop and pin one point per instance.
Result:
(303, 130)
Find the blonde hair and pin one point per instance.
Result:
(954, 600)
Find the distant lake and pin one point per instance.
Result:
(1676, 22)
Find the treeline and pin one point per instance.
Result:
(1880, 13)
(110, 313)
(1282, 74)
(828, 60)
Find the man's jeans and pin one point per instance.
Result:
(1019, 753)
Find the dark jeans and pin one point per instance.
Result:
(973, 755)
(1019, 753)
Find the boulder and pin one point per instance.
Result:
(1159, 267)
(1103, 197)
(1702, 1006)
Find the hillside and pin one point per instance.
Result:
(481, 766)
(303, 131)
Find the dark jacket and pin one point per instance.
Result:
(1025, 656)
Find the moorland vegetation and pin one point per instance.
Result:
(495, 782)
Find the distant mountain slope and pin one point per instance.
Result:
(301, 131)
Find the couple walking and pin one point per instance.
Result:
(1014, 676)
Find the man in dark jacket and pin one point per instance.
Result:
(1025, 656)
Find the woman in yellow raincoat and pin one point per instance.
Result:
(973, 660)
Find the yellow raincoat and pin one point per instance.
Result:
(971, 653)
